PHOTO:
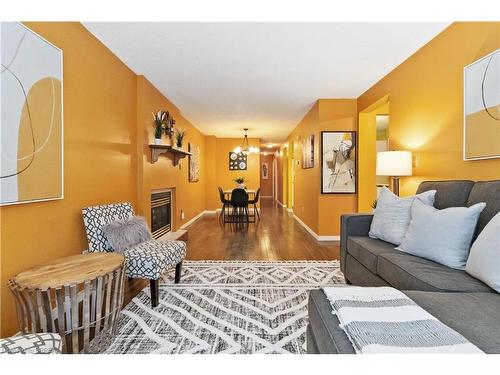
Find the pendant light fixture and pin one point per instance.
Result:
(245, 148)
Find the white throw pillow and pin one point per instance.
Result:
(484, 257)
(443, 236)
(393, 214)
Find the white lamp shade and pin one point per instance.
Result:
(394, 163)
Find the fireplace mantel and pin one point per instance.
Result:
(157, 150)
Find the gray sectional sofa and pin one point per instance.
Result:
(457, 299)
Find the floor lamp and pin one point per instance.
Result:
(394, 164)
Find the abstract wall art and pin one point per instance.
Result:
(264, 171)
(194, 163)
(237, 161)
(482, 108)
(308, 152)
(338, 162)
(31, 136)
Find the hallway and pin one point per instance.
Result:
(277, 236)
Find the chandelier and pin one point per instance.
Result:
(245, 148)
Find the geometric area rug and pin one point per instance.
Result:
(225, 307)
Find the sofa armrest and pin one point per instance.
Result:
(352, 225)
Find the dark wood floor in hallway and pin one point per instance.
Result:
(277, 236)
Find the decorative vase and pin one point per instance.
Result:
(179, 145)
(240, 186)
(157, 141)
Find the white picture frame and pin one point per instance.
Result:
(49, 58)
(481, 92)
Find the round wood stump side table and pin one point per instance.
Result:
(79, 297)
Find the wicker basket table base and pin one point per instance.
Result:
(79, 297)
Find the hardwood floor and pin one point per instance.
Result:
(277, 236)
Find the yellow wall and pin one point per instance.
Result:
(212, 197)
(224, 176)
(426, 99)
(107, 129)
(306, 185)
(283, 175)
(367, 153)
(321, 212)
(335, 114)
(189, 196)
(99, 154)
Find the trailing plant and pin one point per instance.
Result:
(169, 123)
(179, 137)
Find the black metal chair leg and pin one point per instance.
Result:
(256, 210)
(153, 286)
(178, 270)
(221, 213)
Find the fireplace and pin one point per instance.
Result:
(161, 212)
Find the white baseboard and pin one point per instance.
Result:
(202, 213)
(290, 210)
(266, 196)
(328, 238)
(314, 234)
(281, 204)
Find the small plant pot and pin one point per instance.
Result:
(179, 145)
(157, 141)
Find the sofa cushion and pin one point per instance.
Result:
(329, 338)
(489, 193)
(474, 315)
(408, 272)
(359, 275)
(366, 250)
(454, 193)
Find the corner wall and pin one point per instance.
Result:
(321, 212)
(189, 196)
(426, 104)
(99, 158)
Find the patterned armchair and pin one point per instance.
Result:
(148, 260)
(34, 343)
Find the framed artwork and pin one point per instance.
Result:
(237, 161)
(482, 108)
(265, 171)
(194, 162)
(308, 152)
(338, 162)
(31, 161)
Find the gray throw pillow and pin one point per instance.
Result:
(443, 236)
(484, 257)
(124, 234)
(393, 214)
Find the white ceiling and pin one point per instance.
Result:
(264, 76)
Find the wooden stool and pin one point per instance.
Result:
(78, 297)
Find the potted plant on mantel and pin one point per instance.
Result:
(240, 182)
(179, 137)
(159, 125)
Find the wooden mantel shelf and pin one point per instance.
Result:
(157, 150)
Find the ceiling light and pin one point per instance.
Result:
(245, 148)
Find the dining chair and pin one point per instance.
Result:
(225, 205)
(254, 201)
(239, 202)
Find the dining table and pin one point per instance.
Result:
(250, 192)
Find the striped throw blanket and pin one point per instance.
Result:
(385, 320)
